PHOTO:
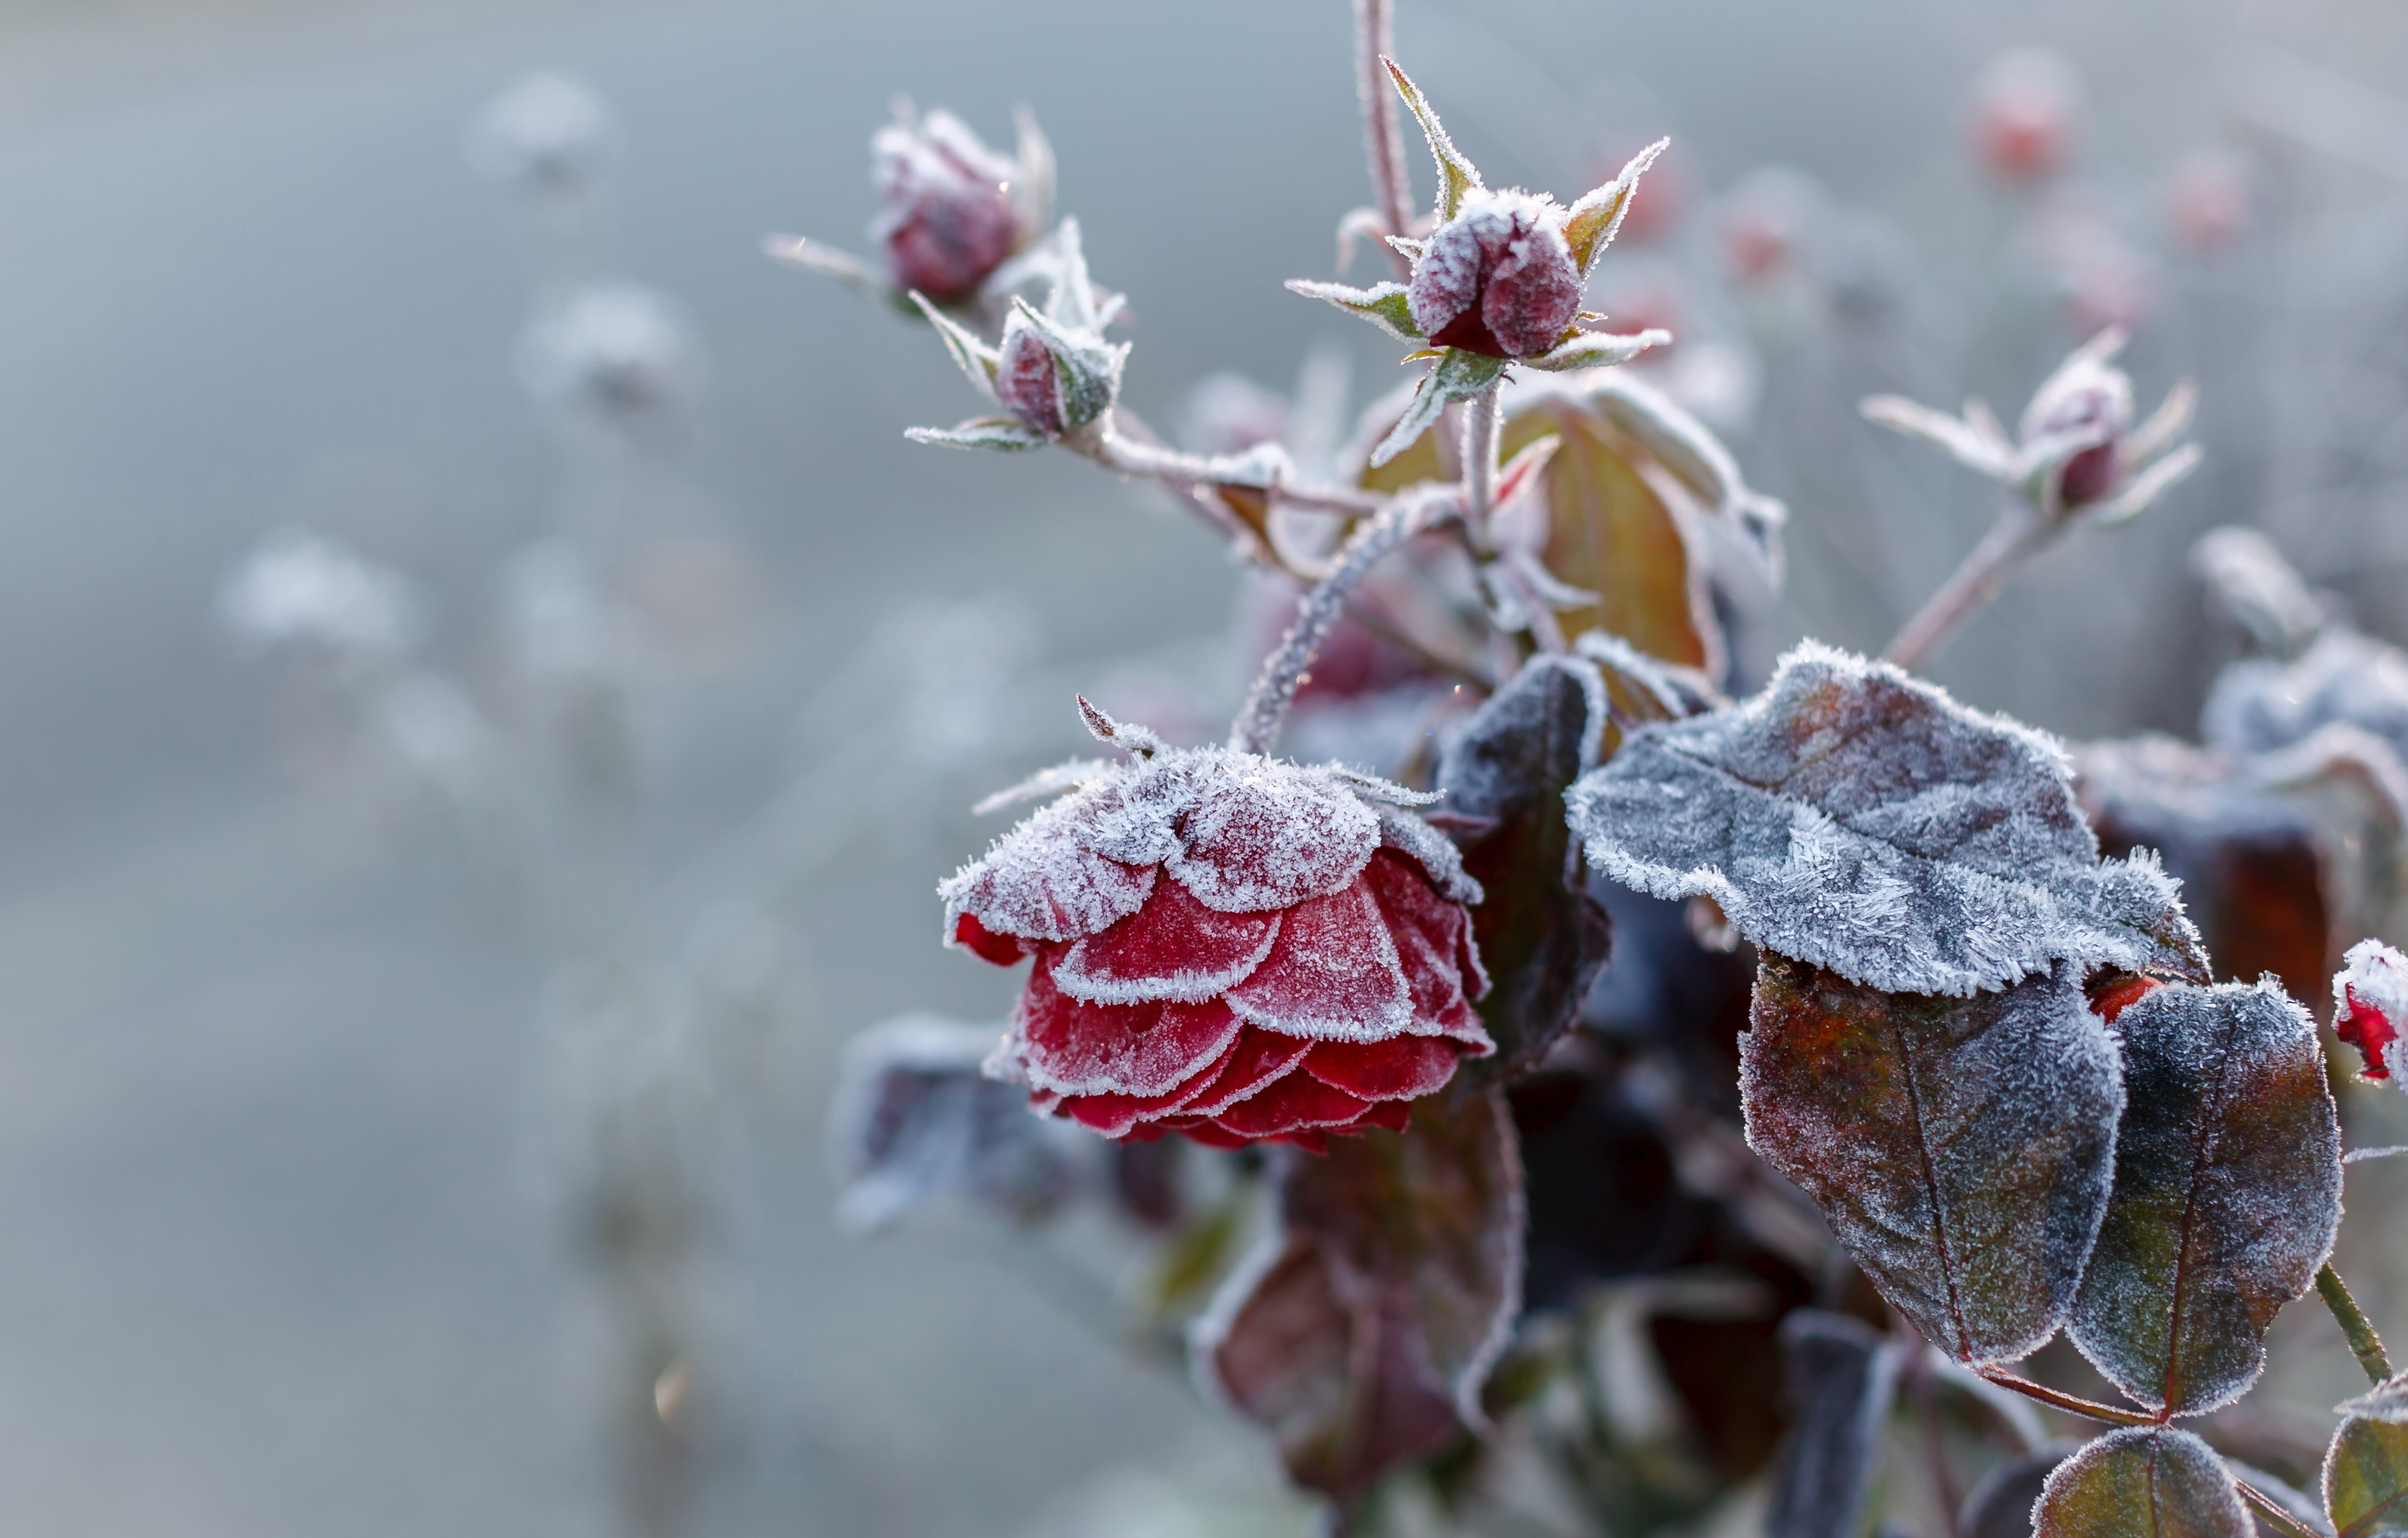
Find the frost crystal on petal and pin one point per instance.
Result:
(1856, 818)
(1260, 834)
(2370, 1006)
(1040, 883)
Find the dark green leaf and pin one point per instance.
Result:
(2366, 1478)
(2228, 1191)
(2145, 1480)
(1360, 1335)
(1959, 1148)
(1542, 937)
(1841, 1378)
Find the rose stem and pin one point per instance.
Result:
(1481, 415)
(2364, 1344)
(2018, 535)
(1384, 142)
(2071, 1403)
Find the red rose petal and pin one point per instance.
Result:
(1433, 938)
(1395, 1115)
(1040, 883)
(1174, 947)
(2369, 1029)
(1260, 835)
(1118, 1115)
(1403, 1069)
(1332, 975)
(985, 944)
(1311, 1140)
(1290, 1104)
(1214, 1137)
(1078, 1048)
(1257, 1059)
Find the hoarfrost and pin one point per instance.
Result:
(2370, 1007)
(1858, 819)
(2261, 706)
(2153, 1479)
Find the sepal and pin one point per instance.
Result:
(1598, 349)
(978, 360)
(1457, 176)
(1590, 227)
(1008, 433)
(1459, 376)
(1385, 305)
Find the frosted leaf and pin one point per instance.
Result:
(2365, 1474)
(1384, 305)
(1960, 1150)
(1542, 936)
(1592, 222)
(2142, 1479)
(2371, 1009)
(2259, 705)
(1361, 1333)
(547, 134)
(1457, 178)
(2387, 1402)
(2254, 584)
(1861, 820)
(299, 588)
(1005, 434)
(913, 1122)
(1458, 376)
(621, 353)
(1840, 1378)
(2228, 1192)
(1598, 349)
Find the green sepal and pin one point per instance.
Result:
(1008, 433)
(1459, 376)
(978, 360)
(1457, 176)
(1383, 304)
(1598, 349)
(1589, 228)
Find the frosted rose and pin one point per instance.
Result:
(2370, 1004)
(1228, 946)
(2091, 398)
(1499, 277)
(945, 214)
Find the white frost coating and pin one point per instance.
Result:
(2373, 976)
(2387, 1400)
(1439, 857)
(1040, 882)
(1856, 818)
(2261, 705)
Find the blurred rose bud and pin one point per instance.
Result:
(2026, 106)
(2090, 401)
(546, 134)
(945, 211)
(618, 353)
(2208, 201)
(1764, 222)
(1499, 277)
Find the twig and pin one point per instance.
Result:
(2276, 1515)
(2018, 535)
(2364, 1344)
(1384, 140)
(2071, 1403)
(1257, 727)
(1115, 450)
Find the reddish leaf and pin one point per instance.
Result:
(1360, 1336)
(1959, 1148)
(2228, 1191)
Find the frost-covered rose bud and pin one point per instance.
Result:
(945, 213)
(2094, 401)
(2370, 1004)
(1226, 945)
(1499, 277)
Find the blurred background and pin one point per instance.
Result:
(397, 1113)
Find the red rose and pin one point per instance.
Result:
(1499, 277)
(945, 212)
(2370, 1002)
(1228, 946)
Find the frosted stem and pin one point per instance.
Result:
(1384, 141)
(1258, 722)
(2018, 535)
(1130, 458)
(2273, 1513)
(2364, 1344)
(2057, 1399)
(1481, 415)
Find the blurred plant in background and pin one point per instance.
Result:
(1626, 1084)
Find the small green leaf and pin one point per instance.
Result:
(1008, 433)
(978, 360)
(1383, 304)
(1598, 349)
(1593, 221)
(1960, 1148)
(1458, 376)
(2228, 1192)
(1542, 936)
(2148, 1480)
(1361, 1335)
(1457, 176)
(2365, 1479)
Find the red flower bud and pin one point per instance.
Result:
(945, 212)
(1026, 381)
(2026, 106)
(2370, 1004)
(1499, 277)
(2093, 399)
(1227, 946)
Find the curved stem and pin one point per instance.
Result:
(1116, 451)
(2364, 1344)
(2272, 1512)
(1258, 722)
(1384, 140)
(2018, 535)
(2073, 1404)
(1481, 417)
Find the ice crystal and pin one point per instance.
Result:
(1853, 817)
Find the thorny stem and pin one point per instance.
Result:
(1481, 415)
(2364, 1344)
(1384, 140)
(2057, 1399)
(2018, 535)
(2274, 1512)
(1116, 451)
(1258, 722)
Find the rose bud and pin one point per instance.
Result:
(2025, 104)
(2370, 1002)
(944, 207)
(2208, 202)
(1499, 277)
(1226, 945)
(1052, 370)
